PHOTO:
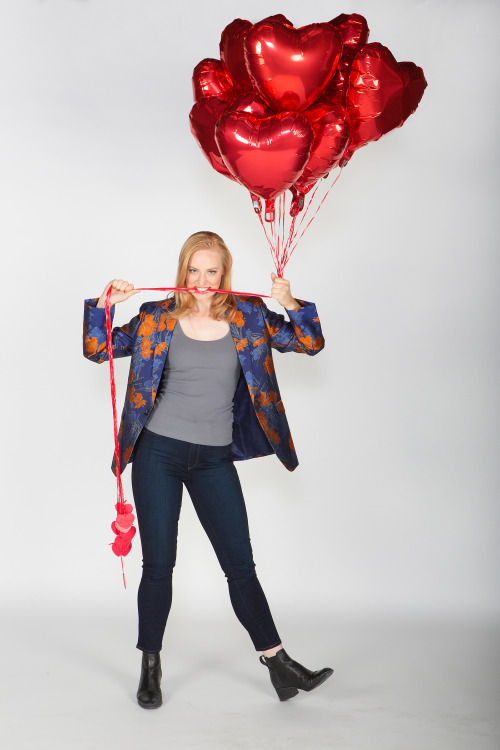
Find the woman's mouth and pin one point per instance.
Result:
(202, 289)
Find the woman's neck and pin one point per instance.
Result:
(201, 309)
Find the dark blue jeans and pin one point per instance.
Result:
(160, 468)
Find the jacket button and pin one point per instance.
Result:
(146, 412)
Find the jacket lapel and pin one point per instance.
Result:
(164, 333)
(244, 353)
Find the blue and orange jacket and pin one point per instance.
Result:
(260, 426)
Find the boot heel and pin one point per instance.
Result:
(284, 693)
(285, 671)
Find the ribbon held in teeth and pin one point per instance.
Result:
(194, 289)
(122, 526)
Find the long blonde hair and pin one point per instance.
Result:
(223, 306)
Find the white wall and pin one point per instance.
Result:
(395, 502)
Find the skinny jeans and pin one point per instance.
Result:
(160, 469)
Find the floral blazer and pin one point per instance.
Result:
(260, 426)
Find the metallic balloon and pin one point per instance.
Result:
(251, 103)
(382, 94)
(340, 81)
(353, 30)
(331, 134)
(202, 119)
(265, 154)
(414, 88)
(233, 57)
(205, 114)
(291, 67)
(281, 18)
(209, 79)
(321, 106)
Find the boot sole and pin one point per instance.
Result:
(320, 682)
(150, 705)
(285, 694)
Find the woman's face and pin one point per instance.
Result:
(204, 272)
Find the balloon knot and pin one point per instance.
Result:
(257, 207)
(297, 203)
(270, 210)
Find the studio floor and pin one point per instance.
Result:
(400, 683)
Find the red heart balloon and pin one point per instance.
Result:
(202, 119)
(251, 103)
(340, 81)
(279, 17)
(353, 30)
(382, 94)
(414, 89)
(331, 133)
(266, 155)
(291, 67)
(120, 547)
(204, 116)
(233, 56)
(209, 79)
(322, 106)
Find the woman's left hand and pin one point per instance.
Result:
(281, 291)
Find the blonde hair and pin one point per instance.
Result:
(223, 306)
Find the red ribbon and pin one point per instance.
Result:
(122, 544)
(194, 289)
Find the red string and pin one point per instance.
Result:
(271, 243)
(287, 253)
(194, 289)
(119, 487)
(316, 212)
(281, 242)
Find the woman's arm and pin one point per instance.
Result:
(281, 291)
(302, 333)
(95, 346)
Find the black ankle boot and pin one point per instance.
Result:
(149, 692)
(287, 675)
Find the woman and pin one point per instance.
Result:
(202, 392)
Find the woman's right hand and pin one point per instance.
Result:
(121, 290)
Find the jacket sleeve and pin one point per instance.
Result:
(95, 346)
(302, 333)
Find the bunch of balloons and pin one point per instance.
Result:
(283, 107)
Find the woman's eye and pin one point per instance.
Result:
(212, 272)
(192, 270)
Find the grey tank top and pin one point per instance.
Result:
(195, 397)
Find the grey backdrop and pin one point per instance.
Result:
(394, 507)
